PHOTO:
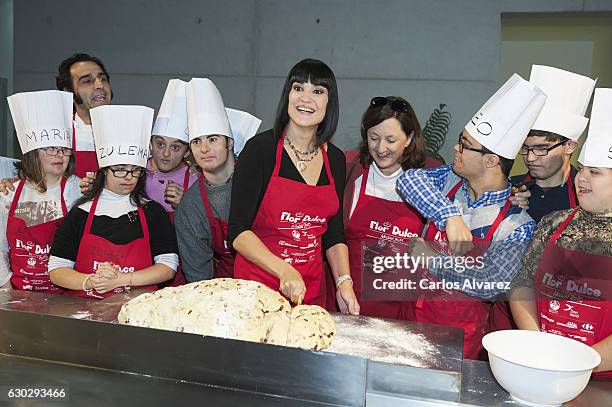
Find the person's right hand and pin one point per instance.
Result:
(520, 197)
(459, 236)
(6, 185)
(87, 181)
(106, 270)
(292, 285)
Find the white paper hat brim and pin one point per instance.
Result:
(564, 124)
(208, 125)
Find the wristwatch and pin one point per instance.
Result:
(342, 279)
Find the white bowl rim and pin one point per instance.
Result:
(596, 356)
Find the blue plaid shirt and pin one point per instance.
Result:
(422, 188)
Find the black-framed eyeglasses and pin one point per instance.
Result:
(55, 151)
(396, 105)
(123, 173)
(464, 147)
(540, 151)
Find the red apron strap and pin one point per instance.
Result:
(16, 197)
(364, 181)
(279, 154)
(143, 223)
(498, 220)
(186, 179)
(571, 192)
(563, 225)
(207, 206)
(451, 194)
(326, 162)
(527, 179)
(90, 216)
(62, 188)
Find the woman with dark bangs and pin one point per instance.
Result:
(286, 195)
(45, 189)
(378, 221)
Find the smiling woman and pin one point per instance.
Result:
(391, 142)
(286, 195)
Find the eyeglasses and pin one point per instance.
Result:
(123, 173)
(55, 151)
(396, 105)
(540, 151)
(464, 147)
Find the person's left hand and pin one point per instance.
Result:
(347, 300)
(107, 278)
(174, 193)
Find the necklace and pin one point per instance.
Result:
(301, 164)
(315, 149)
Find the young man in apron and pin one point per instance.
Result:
(466, 203)
(216, 136)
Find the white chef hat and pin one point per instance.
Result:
(568, 98)
(42, 119)
(205, 110)
(503, 122)
(597, 148)
(172, 116)
(244, 126)
(121, 134)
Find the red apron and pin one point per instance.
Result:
(392, 225)
(566, 306)
(84, 161)
(179, 277)
(501, 316)
(30, 246)
(130, 257)
(453, 307)
(223, 261)
(290, 222)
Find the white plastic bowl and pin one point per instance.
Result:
(540, 368)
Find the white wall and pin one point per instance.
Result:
(430, 52)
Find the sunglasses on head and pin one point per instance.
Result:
(396, 105)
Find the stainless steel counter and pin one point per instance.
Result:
(104, 363)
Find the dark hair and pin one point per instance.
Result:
(30, 168)
(319, 74)
(550, 136)
(413, 155)
(63, 80)
(138, 196)
(506, 165)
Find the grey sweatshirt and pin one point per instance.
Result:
(193, 229)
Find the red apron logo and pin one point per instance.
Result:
(554, 305)
(31, 261)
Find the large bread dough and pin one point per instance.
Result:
(311, 327)
(231, 308)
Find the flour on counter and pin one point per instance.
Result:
(382, 341)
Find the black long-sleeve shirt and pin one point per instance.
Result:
(253, 172)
